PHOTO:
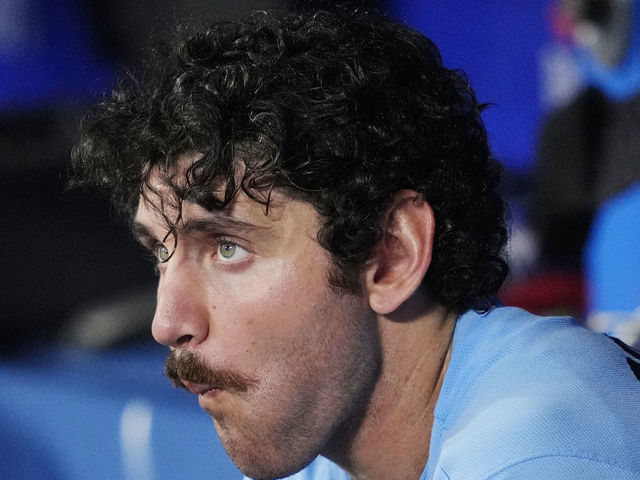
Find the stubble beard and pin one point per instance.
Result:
(293, 415)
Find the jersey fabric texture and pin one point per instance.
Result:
(527, 397)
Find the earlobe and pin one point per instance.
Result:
(402, 257)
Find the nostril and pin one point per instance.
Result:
(184, 339)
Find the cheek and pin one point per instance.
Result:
(267, 304)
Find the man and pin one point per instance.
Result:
(318, 195)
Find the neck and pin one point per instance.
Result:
(392, 440)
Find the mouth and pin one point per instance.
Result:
(201, 388)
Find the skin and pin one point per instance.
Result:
(352, 376)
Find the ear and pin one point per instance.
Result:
(401, 258)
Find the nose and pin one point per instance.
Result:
(181, 317)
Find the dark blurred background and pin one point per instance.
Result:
(71, 269)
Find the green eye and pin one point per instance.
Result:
(162, 253)
(227, 250)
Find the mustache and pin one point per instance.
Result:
(191, 367)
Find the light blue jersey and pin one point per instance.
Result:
(529, 397)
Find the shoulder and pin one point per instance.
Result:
(550, 466)
(510, 342)
(531, 390)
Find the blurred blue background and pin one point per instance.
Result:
(499, 45)
(51, 57)
(48, 55)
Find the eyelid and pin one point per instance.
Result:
(218, 239)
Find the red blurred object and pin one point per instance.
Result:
(553, 292)
(561, 22)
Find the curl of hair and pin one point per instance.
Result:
(345, 107)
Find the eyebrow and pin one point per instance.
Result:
(220, 224)
(217, 224)
(142, 234)
(140, 230)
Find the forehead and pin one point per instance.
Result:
(160, 205)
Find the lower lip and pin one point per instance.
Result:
(211, 393)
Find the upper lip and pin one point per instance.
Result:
(197, 388)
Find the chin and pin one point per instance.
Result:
(257, 466)
(262, 459)
(261, 473)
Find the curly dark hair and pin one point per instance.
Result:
(346, 108)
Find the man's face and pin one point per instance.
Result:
(282, 362)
